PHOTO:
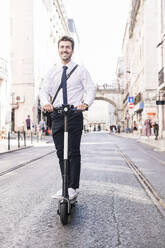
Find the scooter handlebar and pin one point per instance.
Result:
(79, 110)
(70, 108)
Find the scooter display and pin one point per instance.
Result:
(65, 205)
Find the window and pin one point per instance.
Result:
(163, 16)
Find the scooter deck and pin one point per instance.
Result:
(74, 200)
(71, 201)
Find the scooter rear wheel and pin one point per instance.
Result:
(64, 213)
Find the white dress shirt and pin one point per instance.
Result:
(80, 87)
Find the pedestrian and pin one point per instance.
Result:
(22, 130)
(148, 126)
(42, 126)
(118, 128)
(140, 128)
(156, 130)
(80, 92)
(28, 124)
(3, 133)
(134, 128)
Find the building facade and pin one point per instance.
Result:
(5, 76)
(121, 81)
(161, 66)
(141, 63)
(36, 27)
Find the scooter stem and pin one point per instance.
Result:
(65, 176)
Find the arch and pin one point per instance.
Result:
(106, 100)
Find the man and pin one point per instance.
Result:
(156, 130)
(42, 126)
(80, 93)
(28, 123)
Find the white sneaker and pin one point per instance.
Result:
(58, 195)
(72, 193)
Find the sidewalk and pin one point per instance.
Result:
(158, 144)
(14, 146)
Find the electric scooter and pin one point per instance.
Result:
(65, 205)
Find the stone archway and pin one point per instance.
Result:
(117, 111)
(114, 111)
(107, 100)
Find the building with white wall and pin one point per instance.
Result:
(5, 77)
(121, 81)
(161, 66)
(99, 115)
(36, 27)
(72, 28)
(141, 62)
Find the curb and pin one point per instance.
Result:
(160, 148)
(24, 164)
(15, 150)
(143, 141)
(18, 149)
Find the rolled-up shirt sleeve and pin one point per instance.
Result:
(89, 87)
(80, 87)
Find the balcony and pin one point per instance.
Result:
(134, 11)
(112, 88)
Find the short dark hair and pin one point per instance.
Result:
(66, 38)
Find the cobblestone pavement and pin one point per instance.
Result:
(113, 210)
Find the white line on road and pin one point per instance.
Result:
(96, 143)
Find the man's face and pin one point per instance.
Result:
(65, 51)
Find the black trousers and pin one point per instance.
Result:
(75, 126)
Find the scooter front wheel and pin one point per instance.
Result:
(64, 213)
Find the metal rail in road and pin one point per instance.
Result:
(24, 164)
(147, 186)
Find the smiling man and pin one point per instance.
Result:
(79, 91)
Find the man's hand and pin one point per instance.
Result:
(48, 107)
(83, 106)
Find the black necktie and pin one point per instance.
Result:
(64, 87)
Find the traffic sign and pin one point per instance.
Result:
(131, 99)
(131, 105)
(159, 102)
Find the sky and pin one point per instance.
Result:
(100, 26)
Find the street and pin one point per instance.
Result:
(113, 209)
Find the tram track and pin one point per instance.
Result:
(23, 164)
(145, 183)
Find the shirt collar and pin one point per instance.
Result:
(69, 65)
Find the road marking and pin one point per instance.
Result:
(96, 143)
(23, 164)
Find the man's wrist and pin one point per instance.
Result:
(86, 105)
